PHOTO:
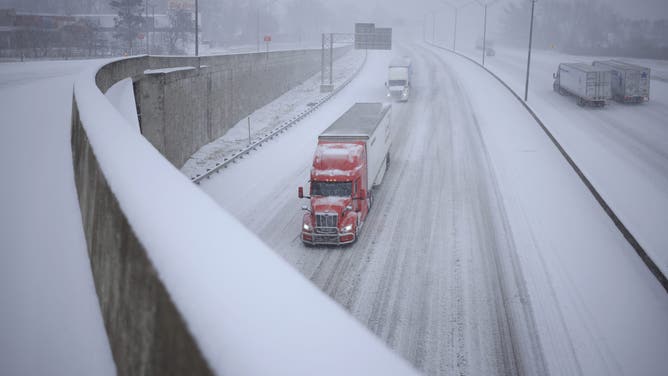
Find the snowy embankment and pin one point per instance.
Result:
(622, 148)
(598, 309)
(50, 318)
(240, 301)
(266, 119)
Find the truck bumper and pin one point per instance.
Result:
(327, 239)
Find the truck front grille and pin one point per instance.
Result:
(326, 239)
(326, 223)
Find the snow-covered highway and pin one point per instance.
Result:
(484, 253)
(622, 149)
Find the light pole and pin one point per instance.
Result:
(456, 8)
(196, 27)
(526, 84)
(484, 32)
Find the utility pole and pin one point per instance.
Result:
(433, 27)
(526, 84)
(257, 31)
(322, 61)
(331, 58)
(484, 33)
(456, 8)
(424, 28)
(146, 26)
(454, 39)
(484, 37)
(196, 27)
(153, 20)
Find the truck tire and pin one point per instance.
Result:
(581, 102)
(387, 161)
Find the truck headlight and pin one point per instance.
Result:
(307, 227)
(348, 228)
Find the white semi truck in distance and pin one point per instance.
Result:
(399, 79)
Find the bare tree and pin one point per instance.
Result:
(129, 22)
(182, 26)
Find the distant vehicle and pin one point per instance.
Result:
(399, 79)
(629, 82)
(589, 84)
(479, 43)
(350, 160)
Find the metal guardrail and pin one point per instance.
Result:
(651, 265)
(280, 129)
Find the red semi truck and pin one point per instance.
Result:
(351, 158)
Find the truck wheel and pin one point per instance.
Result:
(581, 102)
(387, 161)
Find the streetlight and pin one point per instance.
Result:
(196, 27)
(484, 33)
(456, 8)
(526, 84)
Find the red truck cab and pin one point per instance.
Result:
(341, 183)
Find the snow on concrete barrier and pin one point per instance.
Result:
(184, 288)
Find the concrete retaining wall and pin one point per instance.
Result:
(180, 112)
(146, 332)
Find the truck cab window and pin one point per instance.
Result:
(331, 188)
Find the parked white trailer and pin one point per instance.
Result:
(629, 82)
(589, 84)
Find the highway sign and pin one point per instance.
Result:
(369, 37)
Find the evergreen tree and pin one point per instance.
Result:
(129, 22)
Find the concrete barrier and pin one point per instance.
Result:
(180, 111)
(187, 102)
(147, 335)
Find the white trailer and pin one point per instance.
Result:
(629, 82)
(399, 79)
(370, 123)
(589, 84)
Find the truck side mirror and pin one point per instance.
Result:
(385, 83)
(300, 192)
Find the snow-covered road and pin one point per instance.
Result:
(423, 274)
(622, 148)
(484, 253)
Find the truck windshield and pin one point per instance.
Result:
(331, 188)
(397, 82)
